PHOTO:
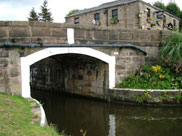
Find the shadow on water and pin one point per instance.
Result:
(103, 119)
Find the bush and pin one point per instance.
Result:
(72, 12)
(152, 77)
(171, 52)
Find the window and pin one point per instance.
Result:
(159, 16)
(174, 22)
(76, 21)
(164, 20)
(148, 12)
(97, 17)
(115, 13)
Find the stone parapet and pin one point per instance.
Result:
(56, 33)
(32, 32)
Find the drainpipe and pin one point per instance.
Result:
(106, 13)
(31, 45)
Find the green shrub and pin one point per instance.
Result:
(152, 77)
(171, 52)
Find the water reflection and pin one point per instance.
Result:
(103, 119)
(112, 123)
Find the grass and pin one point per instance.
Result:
(15, 117)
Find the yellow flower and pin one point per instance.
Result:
(147, 95)
(161, 76)
(156, 68)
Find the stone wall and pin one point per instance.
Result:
(10, 72)
(131, 16)
(160, 26)
(145, 39)
(145, 97)
(127, 15)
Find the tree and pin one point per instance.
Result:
(45, 14)
(33, 15)
(72, 12)
(173, 9)
(160, 5)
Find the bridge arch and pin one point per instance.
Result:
(27, 61)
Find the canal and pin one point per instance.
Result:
(96, 118)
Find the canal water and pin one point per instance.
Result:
(76, 115)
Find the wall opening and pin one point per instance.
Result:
(70, 73)
(108, 62)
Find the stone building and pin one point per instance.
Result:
(132, 14)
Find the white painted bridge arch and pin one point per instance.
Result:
(27, 61)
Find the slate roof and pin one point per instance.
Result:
(103, 6)
(116, 3)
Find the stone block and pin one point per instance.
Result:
(100, 83)
(2, 89)
(1, 73)
(86, 83)
(145, 37)
(14, 72)
(56, 25)
(4, 54)
(19, 32)
(50, 40)
(38, 24)
(20, 23)
(135, 36)
(156, 100)
(125, 36)
(80, 34)
(6, 23)
(3, 63)
(156, 36)
(3, 40)
(137, 59)
(134, 53)
(101, 35)
(123, 59)
(3, 32)
(93, 89)
(59, 32)
(89, 35)
(2, 81)
(99, 90)
(41, 32)
(24, 40)
(113, 35)
(15, 86)
(94, 83)
(86, 90)
(92, 78)
(120, 67)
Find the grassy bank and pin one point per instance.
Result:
(15, 117)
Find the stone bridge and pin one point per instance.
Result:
(81, 60)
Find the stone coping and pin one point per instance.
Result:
(148, 90)
(38, 112)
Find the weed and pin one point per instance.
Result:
(152, 77)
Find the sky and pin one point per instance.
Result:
(18, 10)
